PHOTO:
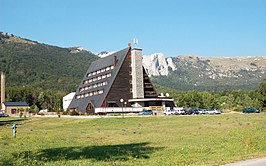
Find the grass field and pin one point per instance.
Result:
(165, 140)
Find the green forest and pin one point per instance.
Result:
(229, 100)
(36, 98)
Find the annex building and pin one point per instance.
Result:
(118, 83)
(14, 107)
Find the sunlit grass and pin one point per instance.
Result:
(169, 140)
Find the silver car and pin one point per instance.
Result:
(213, 111)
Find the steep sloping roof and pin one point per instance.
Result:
(97, 100)
(69, 96)
(14, 104)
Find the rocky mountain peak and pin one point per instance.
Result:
(75, 50)
(191, 70)
(156, 64)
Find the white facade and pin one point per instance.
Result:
(118, 109)
(67, 100)
(3, 96)
(137, 73)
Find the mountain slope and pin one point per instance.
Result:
(188, 72)
(30, 63)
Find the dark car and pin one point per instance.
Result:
(146, 112)
(3, 115)
(251, 110)
(192, 111)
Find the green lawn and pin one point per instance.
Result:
(165, 140)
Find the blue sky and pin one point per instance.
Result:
(174, 27)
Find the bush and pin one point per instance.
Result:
(238, 108)
(42, 114)
(73, 113)
(65, 112)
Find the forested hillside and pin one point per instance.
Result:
(29, 63)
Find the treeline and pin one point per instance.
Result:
(230, 100)
(233, 100)
(36, 98)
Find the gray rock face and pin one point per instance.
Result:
(195, 71)
(157, 65)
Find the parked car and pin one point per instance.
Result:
(146, 112)
(213, 111)
(202, 111)
(169, 112)
(3, 115)
(180, 112)
(192, 112)
(251, 110)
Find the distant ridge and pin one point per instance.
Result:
(190, 72)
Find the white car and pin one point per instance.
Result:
(169, 112)
(213, 111)
(180, 112)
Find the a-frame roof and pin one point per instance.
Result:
(116, 60)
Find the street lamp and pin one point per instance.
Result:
(125, 106)
(122, 101)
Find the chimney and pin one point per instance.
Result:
(137, 73)
(2, 87)
(115, 60)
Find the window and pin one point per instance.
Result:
(85, 82)
(108, 75)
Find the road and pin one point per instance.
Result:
(253, 162)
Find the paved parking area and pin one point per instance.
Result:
(253, 162)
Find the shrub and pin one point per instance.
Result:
(73, 113)
(238, 108)
(65, 112)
